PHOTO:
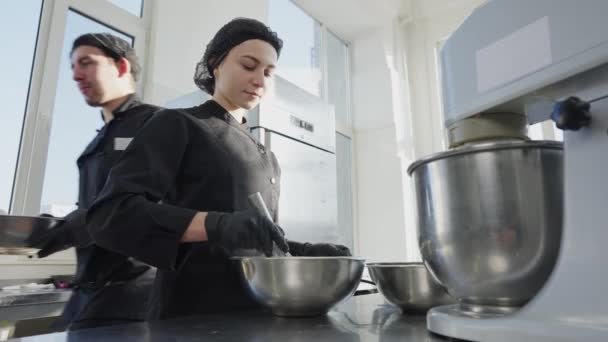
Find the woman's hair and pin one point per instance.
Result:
(230, 35)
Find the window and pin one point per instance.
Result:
(73, 127)
(317, 60)
(134, 7)
(18, 32)
(337, 77)
(301, 35)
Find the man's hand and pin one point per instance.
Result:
(70, 233)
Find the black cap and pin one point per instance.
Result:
(112, 46)
(230, 35)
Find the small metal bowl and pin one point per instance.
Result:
(409, 286)
(17, 231)
(300, 286)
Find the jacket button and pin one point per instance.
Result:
(273, 180)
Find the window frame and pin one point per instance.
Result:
(343, 127)
(36, 131)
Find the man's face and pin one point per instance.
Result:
(96, 74)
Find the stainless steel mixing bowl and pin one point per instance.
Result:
(300, 286)
(490, 219)
(409, 286)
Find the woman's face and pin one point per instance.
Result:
(245, 75)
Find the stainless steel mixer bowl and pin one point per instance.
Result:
(490, 219)
(409, 286)
(300, 286)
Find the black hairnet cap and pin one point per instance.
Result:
(112, 46)
(230, 35)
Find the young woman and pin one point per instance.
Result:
(178, 198)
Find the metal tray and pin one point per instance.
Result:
(16, 231)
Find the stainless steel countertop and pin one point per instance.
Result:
(27, 304)
(32, 297)
(362, 318)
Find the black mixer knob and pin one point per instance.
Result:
(571, 114)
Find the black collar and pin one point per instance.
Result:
(131, 101)
(217, 110)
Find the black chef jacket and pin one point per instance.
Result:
(109, 286)
(182, 162)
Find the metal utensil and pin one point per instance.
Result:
(16, 232)
(409, 286)
(300, 286)
(257, 202)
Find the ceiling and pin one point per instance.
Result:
(350, 18)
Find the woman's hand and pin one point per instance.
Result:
(244, 230)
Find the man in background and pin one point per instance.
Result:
(109, 288)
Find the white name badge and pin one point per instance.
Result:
(120, 144)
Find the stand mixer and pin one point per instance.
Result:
(547, 59)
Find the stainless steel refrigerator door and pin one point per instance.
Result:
(308, 203)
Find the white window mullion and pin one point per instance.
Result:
(36, 129)
(323, 63)
(143, 46)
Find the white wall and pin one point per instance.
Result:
(423, 33)
(430, 24)
(180, 32)
(379, 205)
(398, 120)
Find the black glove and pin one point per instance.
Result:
(70, 233)
(244, 230)
(317, 249)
